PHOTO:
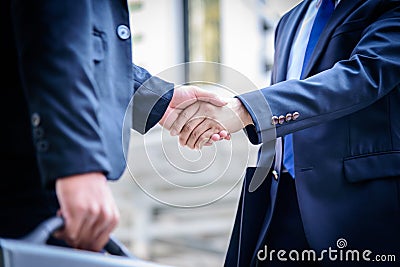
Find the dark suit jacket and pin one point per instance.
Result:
(346, 140)
(67, 83)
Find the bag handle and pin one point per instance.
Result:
(52, 224)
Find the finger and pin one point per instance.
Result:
(88, 228)
(205, 139)
(104, 236)
(209, 97)
(60, 234)
(216, 137)
(105, 224)
(200, 130)
(208, 137)
(188, 129)
(72, 229)
(183, 119)
(208, 143)
(223, 134)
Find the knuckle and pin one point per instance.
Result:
(100, 217)
(93, 210)
(116, 217)
(105, 215)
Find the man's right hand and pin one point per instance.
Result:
(89, 211)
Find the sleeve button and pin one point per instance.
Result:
(289, 117)
(274, 120)
(281, 119)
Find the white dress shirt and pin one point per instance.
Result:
(299, 45)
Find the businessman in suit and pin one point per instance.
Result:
(335, 182)
(67, 81)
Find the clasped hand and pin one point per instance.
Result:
(201, 117)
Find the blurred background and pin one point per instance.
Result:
(235, 33)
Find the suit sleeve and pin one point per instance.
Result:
(371, 72)
(258, 133)
(54, 51)
(151, 98)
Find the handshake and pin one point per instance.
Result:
(201, 117)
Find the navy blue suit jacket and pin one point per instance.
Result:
(67, 82)
(346, 140)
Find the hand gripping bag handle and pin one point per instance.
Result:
(47, 227)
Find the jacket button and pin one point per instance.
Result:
(42, 146)
(274, 120)
(281, 119)
(123, 32)
(35, 119)
(288, 117)
(296, 115)
(38, 133)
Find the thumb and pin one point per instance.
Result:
(169, 117)
(209, 97)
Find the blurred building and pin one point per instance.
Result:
(235, 33)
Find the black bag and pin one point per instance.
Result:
(32, 251)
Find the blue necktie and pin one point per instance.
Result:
(324, 12)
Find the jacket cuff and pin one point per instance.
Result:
(258, 108)
(150, 102)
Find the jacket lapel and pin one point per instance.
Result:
(287, 32)
(342, 10)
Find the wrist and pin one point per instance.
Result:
(90, 176)
(242, 112)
